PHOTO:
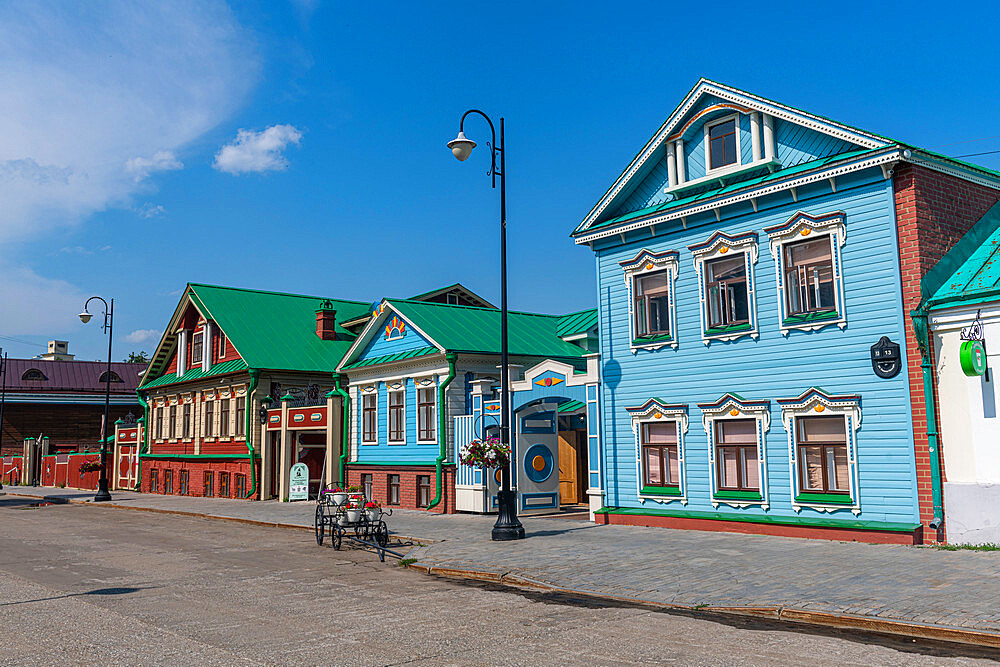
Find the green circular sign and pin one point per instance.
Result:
(972, 355)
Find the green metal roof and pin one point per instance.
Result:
(570, 406)
(274, 330)
(970, 271)
(231, 366)
(389, 358)
(576, 323)
(477, 330)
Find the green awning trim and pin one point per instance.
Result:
(232, 366)
(389, 358)
(571, 406)
(850, 524)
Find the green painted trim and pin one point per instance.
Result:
(394, 463)
(661, 490)
(738, 495)
(919, 318)
(443, 452)
(718, 331)
(144, 446)
(248, 431)
(778, 521)
(646, 340)
(811, 317)
(824, 498)
(345, 428)
(197, 457)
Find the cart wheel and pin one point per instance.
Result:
(319, 525)
(382, 534)
(336, 537)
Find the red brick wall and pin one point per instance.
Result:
(407, 484)
(933, 211)
(196, 474)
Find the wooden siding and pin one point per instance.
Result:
(378, 345)
(797, 144)
(772, 367)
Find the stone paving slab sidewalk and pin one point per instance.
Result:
(950, 595)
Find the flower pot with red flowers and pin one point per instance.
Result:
(353, 511)
(372, 510)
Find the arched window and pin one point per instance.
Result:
(104, 377)
(33, 374)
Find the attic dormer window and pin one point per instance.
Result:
(723, 146)
(104, 377)
(196, 348)
(33, 374)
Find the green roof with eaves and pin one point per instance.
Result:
(269, 330)
(970, 272)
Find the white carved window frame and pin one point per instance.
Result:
(720, 245)
(801, 227)
(815, 403)
(367, 390)
(419, 383)
(731, 407)
(644, 263)
(392, 387)
(655, 412)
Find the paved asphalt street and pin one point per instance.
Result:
(86, 585)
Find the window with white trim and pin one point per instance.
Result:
(369, 418)
(650, 280)
(397, 416)
(724, 265)
(659, 450)
(807, 258)
(426, 409)
(822, 445)
(722, 143)
(735, 428)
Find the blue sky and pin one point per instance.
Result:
(116, 180)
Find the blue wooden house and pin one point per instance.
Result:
(748, 260)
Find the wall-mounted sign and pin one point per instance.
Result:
(886, 359)
(298, 482)
(972, 356)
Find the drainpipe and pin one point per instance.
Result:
(254, 378)
(442, 445)
(144, 445)
(919, 317)
(345, 426)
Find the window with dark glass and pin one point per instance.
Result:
(652, 313)
(154, 481)
(822, 443)
(423, 490)
(722, 144)
(173, 421)
(368, 486)
(224, 417)
(222, 344)
(186, 423)
(33, 374)
(393, 496)
(168, 481)
(209, 479)
(241, 486)
(660, 465)
(809, 277)
(196, 347)
(736, 455)
(105, 375)
(241, 411)
(425, 413)
(184, 483)
(209, 419)
(369, 417)
(223, 484)
(159, 422)
(726, 292)
(397, 418)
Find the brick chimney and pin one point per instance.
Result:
(326, 318)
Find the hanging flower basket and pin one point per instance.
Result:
(488, 453)
(371, 509)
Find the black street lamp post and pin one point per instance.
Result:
(507, 527)
(109, 313)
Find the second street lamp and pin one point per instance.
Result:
(109, 312)
(507, 527)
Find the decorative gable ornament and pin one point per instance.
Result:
(717, 246)
(395, 328)
(803, 226)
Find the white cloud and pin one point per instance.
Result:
(142, 335)
(257, 151)
(37, 305)
(150, 210)
(97, 96)
(161, 161)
